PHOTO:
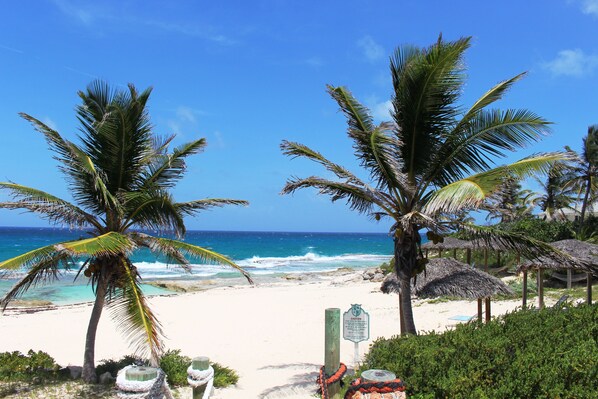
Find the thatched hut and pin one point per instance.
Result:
(584, 258)
(448, 243)
(449, 277)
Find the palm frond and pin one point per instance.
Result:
(527, 247)
(471, 191)
(159, 247)
(295, 150)
(153, 210)
(166, 169)
(109, 244)
(44, 267)
(426, 84)
(193, 207)
(359, 198)
(203, 254)
(48, 206)
(486, 135)
(134, 317)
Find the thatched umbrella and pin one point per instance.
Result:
(449, 277)
(584, 254)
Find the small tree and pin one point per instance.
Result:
(120, 176)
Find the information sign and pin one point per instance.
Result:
(356, 324)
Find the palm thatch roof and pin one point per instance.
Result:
(448, 243)
(449, 277)
(584, 254)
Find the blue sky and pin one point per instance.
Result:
(248, 74)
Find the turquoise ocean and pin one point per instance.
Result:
(260, 253)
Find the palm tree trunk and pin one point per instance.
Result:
(89, 370)
(406, 245)
(584, 205)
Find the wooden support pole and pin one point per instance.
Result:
(486, 260)
(440, 253)
(589, 288)
(524, 303)
(541, 288)
(569, 279)
(480, 311)
(200, 363)
(455, 253)
(488, 311)
(498, 258)
(468, 256)
(332, 354)
(427, 253)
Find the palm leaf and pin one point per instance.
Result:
(203, 254)
(166, 169)
(359, 198)
(43, 268)
(471, 191)
(193, 207)
(109, 244)
(157, 246)
(153, 210)
(134, 317)
(48, 206)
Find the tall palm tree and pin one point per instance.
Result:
(419, 162)
(585, 170)
(510, 202)
(557, 193)
(120, 176)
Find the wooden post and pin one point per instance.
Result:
(332, 354)
(468, 256)
(498, 258)
(440, 253)
(480, 311)
(488, 311)
(524, 304)
(589, 288)
(486, 260)
(200, 363)
(569, 279)
(455, 253)
(426, 253)
(541, 288)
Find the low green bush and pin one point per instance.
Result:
(175, 366)
(551, 353)
(114, 365)
(15, 366)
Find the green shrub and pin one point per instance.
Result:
(113, 366)
(224, 376)
(552, 353)
(175, 366)
(15, 366)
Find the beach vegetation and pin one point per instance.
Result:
(585, 173)
(16, 366)
(551, 353)
(433, 158)
(120, 177)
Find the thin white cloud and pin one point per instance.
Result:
(187, 114)
(83, 13)
(218, 140)
(381, 110)
(372, 50)
(572, 63)
(589, 6)
(206, 33)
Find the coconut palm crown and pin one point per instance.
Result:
(433, 158)
(119, 176)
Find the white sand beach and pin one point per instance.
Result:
(272, 334)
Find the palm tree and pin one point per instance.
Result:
(585, 172)
(557, 194)
(120, 177)
(510, 202)
(419, 162)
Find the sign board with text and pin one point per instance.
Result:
(356, 324)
